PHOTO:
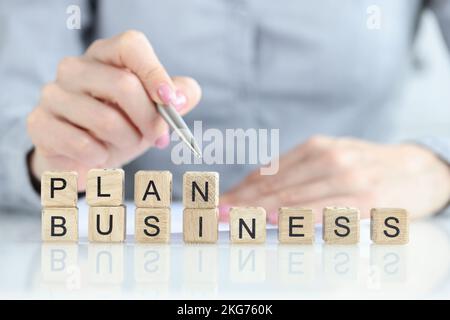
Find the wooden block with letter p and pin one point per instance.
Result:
(59, 224)
(59, 189)
(107, 224)
(341, 225)
(247, 225)
(200, 225)
(200, 189)
(153, 189)
(152, 225)
(296, 225)
(389, 226)
(105, 187)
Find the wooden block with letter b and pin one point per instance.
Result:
(59, 224)
(341, 225)
(389, 226)
(153, 189)
(107, 224)
(247, 225)
(296, 225)
(105, 187)
(152, 225)
(200, 225)
(200, 189)
(59, 189)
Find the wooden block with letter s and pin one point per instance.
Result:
(200, 189)
(105, 187)
(389, 226)
(341, 225)
(296, 225)
(152, 225)
(247, 225)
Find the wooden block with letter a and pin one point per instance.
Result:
(341, 225)
(153, 189)
(59, 189)
(200, 225)
(107, 224)
(59, 224)
(105, 187)
(200, 189)
(152, 225)
(247, 225)
(296, 225)
(389, 226)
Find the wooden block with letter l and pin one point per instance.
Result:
(200, 189)
(59, 224)
(389, 226)
(341, 225)
(105, 187)
(247, 225)
(59, 189)
(296, 225)
(153, 189)
(107, 224)
(152, 225)
(200, 225)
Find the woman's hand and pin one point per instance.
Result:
(326, 171)
(99, 112)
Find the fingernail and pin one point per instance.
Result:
(163, 141)
(224, 212)
(166, 94)
(273, 217)
(180, 101)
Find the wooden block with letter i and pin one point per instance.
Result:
(389, 226)
(200, 225)
(201, 190)
(59, 224)
(247, 225)
(341, 225)
(105, 187)
(153, 189)
(59, 189)
(296, 225)
(107, 224)
(152, 225)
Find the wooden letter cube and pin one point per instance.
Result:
(296, 225)
(341, 225)
(389, 226)
(200, 225)
(107, 224)
(153, 189)
(201, 190)
(152, 225)
(105, 187)
(247, 225)
(59, 189)
(60, 224)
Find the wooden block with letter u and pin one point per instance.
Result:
(247, 225)
(389, 226)
(107, 224)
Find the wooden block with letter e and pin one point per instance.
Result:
(200, 225)
(153, 189)
(247, 225)
(341, 225)
(105, 187)
(296, 225)
(107, 224)
(200, 189)
(59, 189)
(389, 226)
(59, 224)
(152, 225)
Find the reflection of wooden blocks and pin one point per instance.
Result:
(200, 225)
(105, 187)
(153, 189)
(296, 225)
(200, 189)
(152, 225)
(59, 189)
(247, 225)
(107, 224)
(341, 225)
(389, 226)
(59, 224)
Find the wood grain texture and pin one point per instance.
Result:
(252, 217)
(200, 225)
(110, 191)
(110, 221)
(59, 224)
(153, 189)
(341, 225)
(208, 188)
(59, 189)
(152, 225)
(389, 226)
(296, 225)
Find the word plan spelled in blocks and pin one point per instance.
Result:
(152, 225)
(341, 225)
(153, 189)
(60, 224)
(296, 225)
(200, 225)
(200, 190)
(389, 226)
(107, 224)
(247, 225)
(105, 187)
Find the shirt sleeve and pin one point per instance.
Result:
(34, 36)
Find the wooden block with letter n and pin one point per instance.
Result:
(153, 189)
(341, 225)
(296, 225)
(59, 224)
(107, 224)
(59, 189)
(152, 225)
(389, 226)
(200, 189)
(247, 225)
(200, 225)
(105, 187)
